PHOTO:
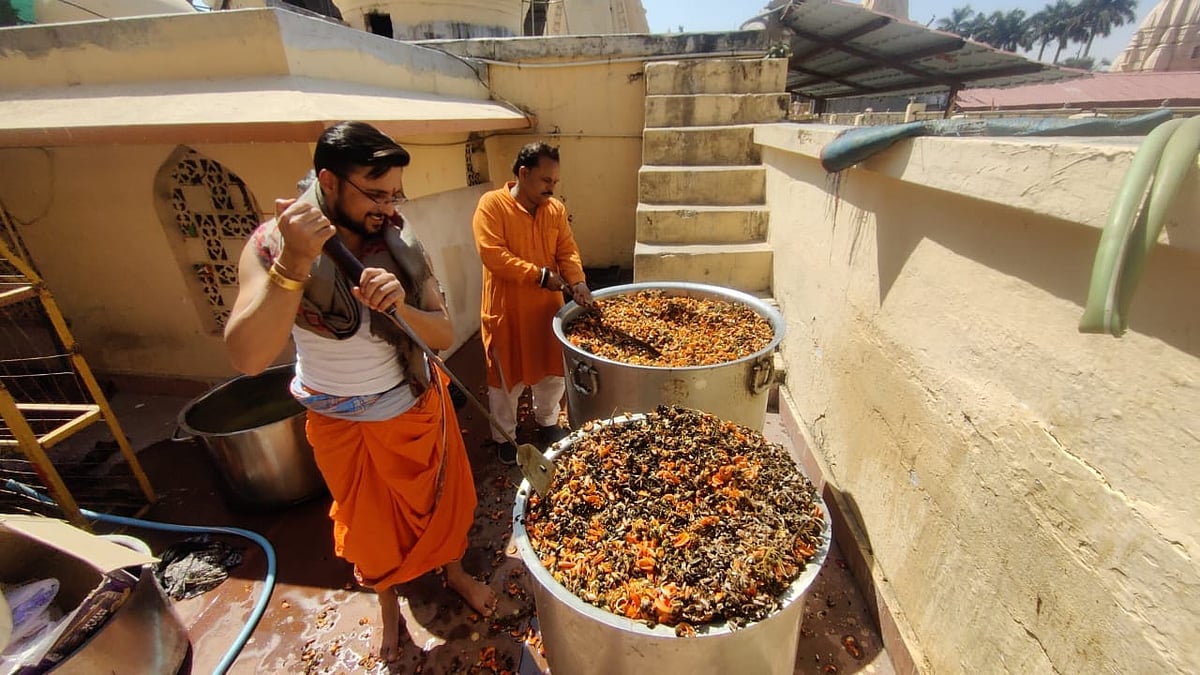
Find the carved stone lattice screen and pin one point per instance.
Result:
(215, 212)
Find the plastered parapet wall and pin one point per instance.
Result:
(1029, 493)
(248, 44)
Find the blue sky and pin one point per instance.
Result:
(705, 15)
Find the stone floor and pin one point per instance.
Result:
(318, 621)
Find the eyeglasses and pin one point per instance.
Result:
(381, 199)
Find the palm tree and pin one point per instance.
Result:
(1044, 25)
(1012, 31)
(977, 28)
(1061, 23)
(1099, 17)
(1008, 31)
(958, 21)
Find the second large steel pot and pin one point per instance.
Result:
(254, 431)
(582, 639)
(599, 388)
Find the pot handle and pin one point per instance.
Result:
(177, 438)
(584, 379)
(762, 374)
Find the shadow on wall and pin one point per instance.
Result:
(1053, 255)
(854, 542)
(604, 277)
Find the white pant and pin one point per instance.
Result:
(547, 395)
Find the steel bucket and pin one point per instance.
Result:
(582, 639)
(254, 431)
(599, 388)
(143, 636)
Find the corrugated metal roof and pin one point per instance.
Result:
(841, 50)
(1102, 90)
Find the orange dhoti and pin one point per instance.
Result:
(388, 516)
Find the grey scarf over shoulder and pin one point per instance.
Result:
(330, 310)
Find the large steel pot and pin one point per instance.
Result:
(598, 388)
(582, 639)
(254, 431)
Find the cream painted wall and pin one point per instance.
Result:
(443, 224)
(588, 17)
(87, 215)
(1031, 494)
(219, 46)
(141, 49)
(486, 18)
(56, 11)
(88, 218)
(595, 115)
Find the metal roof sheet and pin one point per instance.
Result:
(841, 50)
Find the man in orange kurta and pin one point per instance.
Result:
(529, 259)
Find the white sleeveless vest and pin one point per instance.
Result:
(359, 365)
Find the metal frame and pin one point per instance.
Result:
(909, 58)
(80, 416)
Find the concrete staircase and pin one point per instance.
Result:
(701, 189)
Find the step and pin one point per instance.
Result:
(729, 145)
(717, 76)
(679, 224)
(713, 109)
(744, 267)
(702, 185)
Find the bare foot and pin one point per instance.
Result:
(476, 593)
(389, 607)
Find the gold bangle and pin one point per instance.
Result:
(286, 283)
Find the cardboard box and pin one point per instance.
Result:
(92, 585)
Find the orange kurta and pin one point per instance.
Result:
(517, 314)
(383, 478)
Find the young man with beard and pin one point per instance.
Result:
(380, 421)
(529, 260)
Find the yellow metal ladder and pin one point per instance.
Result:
(56, 421)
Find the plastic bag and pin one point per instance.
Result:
(28, 603)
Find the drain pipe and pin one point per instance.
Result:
(1177, 160)
(1135, 221)
(268, 582)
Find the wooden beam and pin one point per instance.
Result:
(33, 451)
(15, 295)
(822, 77)
(56, 407)
(85, 374)
(869, 56)
(914, 55)
(74, 425)
(868, 27)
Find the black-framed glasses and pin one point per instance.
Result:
(381, 199)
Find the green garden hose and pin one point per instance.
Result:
(1135, 221)
(1174, 166)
